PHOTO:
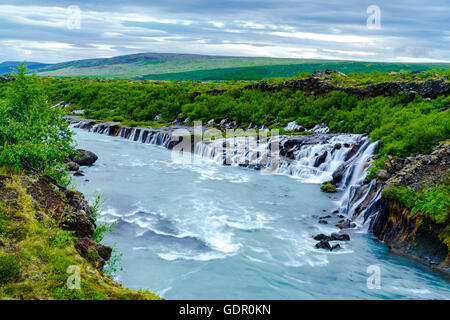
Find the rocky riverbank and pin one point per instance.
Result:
(417, 235)
(46, 235)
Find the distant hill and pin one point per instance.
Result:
(7, 66)
(170, 66)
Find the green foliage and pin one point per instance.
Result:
(101, 228)
(401, 124)
(9, 268)
(378, 164)
(114, 264)
(32, 136)
(433, 203)
(330, 188)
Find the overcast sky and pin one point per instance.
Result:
(48, 31)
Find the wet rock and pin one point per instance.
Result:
(321, 159)
(321, 237)
(84, 157)
(355, 148)
(323, 245)
(345, 224)
(339, 173)
(79, 173)
(323, 221)
(73, 166)
(340, 237)
(337, 146)
(330, 188)
(335, 247)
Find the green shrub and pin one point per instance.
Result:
(433, 203)
(32, 135)
(377, 164)
(9, 268)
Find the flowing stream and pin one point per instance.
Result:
(209, 231)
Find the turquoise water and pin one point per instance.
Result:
(208, 231)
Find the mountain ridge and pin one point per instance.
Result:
(197, 67)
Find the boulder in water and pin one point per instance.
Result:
(321, 159)
(84, 157)
(330, 188)
(345, 224)
(335, 247)
(323, 245)
(339, 173)
(340, 237)
(73, 166)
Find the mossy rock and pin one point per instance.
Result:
(330, 188)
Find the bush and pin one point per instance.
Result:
(433, 203)
(32, 135)
(378, 164)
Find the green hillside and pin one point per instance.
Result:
(169, 66)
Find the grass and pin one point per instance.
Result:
(213, 68)
(35, 254)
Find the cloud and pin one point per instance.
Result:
(411, 30)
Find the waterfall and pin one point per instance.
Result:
(148, 136)
(341, 159)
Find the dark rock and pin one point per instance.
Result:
(93, 252)
(335, 247)
(323, 245)
(417, 236)
(340, 237)
(84, 157)
(337, 146)
(353, 151)
(338, 173)
(323, 221)
(321, 159)
(79, 173)
(345, 224)
(73, 166)
(54, 199)
(321, 237)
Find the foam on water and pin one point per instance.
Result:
(191, 228)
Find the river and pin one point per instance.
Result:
(208, 231)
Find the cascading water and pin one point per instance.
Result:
(318, 158)
(149, 136)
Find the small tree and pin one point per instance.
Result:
(33, 136)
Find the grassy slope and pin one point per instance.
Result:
(34, 257)
(160, 66)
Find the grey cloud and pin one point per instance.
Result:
(415, 28)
